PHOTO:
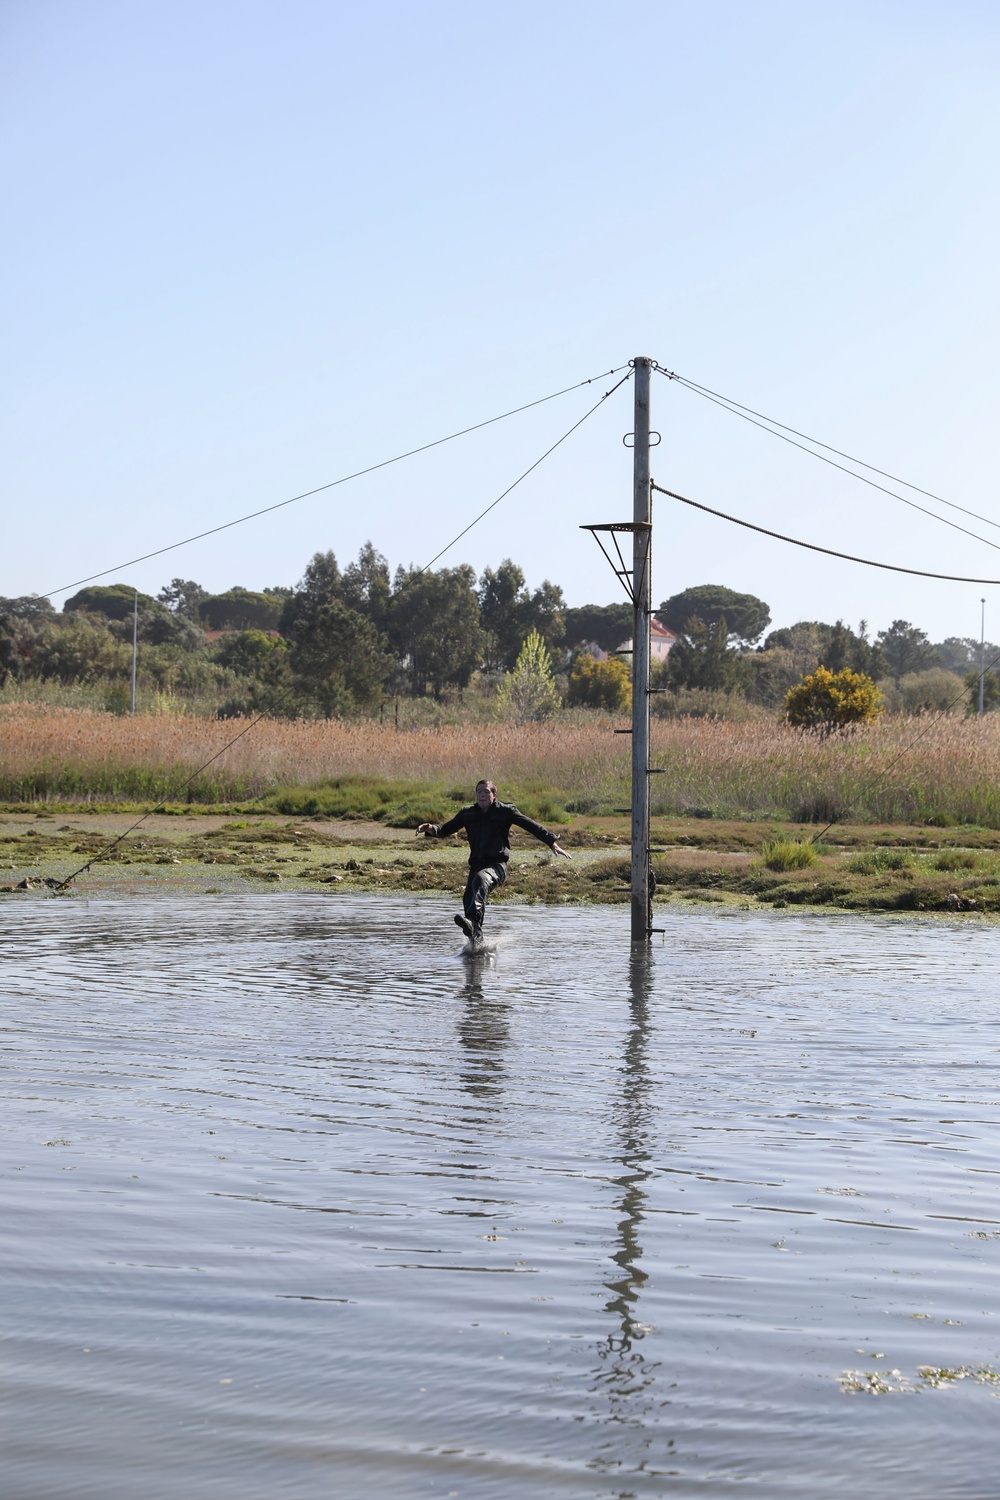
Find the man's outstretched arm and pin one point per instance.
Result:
(537, 831)
(442, 830)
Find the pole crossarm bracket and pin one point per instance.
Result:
(623, 573)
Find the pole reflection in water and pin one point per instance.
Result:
(625, 1378)
(483, 1030)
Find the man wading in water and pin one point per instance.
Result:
(487, 824)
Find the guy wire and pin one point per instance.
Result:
(60, 885)
(103, 853)
(528, 471)
(344, 479)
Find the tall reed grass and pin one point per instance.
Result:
(741, 770)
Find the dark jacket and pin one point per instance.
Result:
(489, 832)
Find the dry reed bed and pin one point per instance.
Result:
(900, 770)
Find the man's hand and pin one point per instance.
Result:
(425, 828)
(558, 849)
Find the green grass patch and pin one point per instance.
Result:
(93, 785)
(955, 859)
(878, 861)
(788, 854)
(402, 804)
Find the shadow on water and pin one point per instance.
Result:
(483, 1029)
(625, 1379)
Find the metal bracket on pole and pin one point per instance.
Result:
(624, 574)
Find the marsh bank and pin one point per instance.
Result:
(715, 861)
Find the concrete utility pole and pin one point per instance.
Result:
(641, 549)
(135, 645)
(982, 653)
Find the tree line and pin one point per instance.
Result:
(722, 647)
(342, 640)
(337, 643)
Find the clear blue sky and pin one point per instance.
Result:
(250, 247)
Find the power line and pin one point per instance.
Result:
(527, 471)
(704, 390)
(846, 557)
(737, 411)
(829, 552)
(333, 483)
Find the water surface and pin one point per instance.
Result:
(300, 1202)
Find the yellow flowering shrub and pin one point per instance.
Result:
(829, 700)
(600, 684)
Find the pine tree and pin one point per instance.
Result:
(529, 692)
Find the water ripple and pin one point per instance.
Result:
(301, 1202)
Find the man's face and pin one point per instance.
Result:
(484, 796)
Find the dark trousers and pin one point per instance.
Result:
(477, 891)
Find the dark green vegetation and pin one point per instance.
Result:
(402, 804)
(887, 870)
(359, 641)
(743, 617)
(716, 668)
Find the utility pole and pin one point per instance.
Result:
(135, 643)
(635, 580)
(641, 549)
(982, 653)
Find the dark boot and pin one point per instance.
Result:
(465, 925)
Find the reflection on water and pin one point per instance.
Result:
(483, 1028)
(626, 1378)
(300, 1201)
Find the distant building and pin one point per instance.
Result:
(660, 641)
(591, 648)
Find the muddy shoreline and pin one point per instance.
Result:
(702, 861)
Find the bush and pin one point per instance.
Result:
(246, 653)
(821, 807)
(788, 854)
(933, 689)
(828, 700)
(706, 703)
(955, 859)
(876, 861)
(991, 693)
(600, 684)
(399, 804)
(72, 649)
